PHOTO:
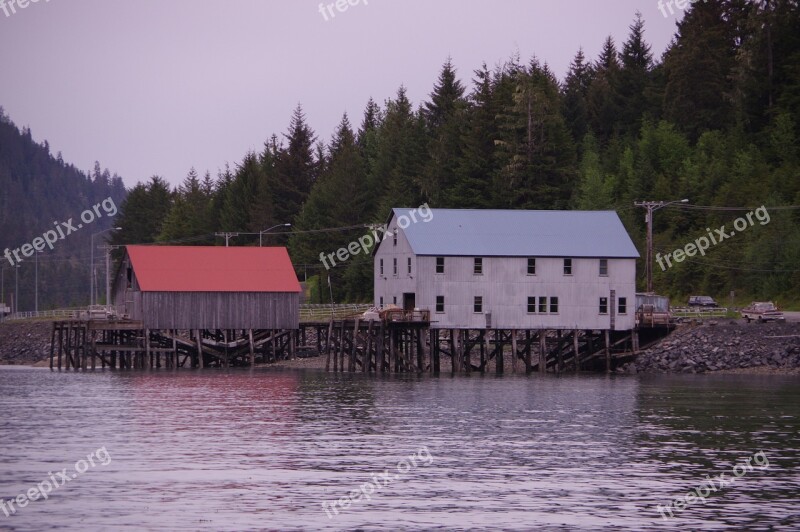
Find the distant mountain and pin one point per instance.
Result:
(39, 195)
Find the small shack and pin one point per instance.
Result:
(193, 287)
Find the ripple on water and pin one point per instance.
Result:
(244, 450)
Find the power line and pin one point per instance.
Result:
(713, 208)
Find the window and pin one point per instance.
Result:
(395, 265)
(394, 300)
(531, 266)
(440, 304)
(439, 264)
(395, 237)
(543, 305)
(554, 305)
(381, 305)
(603, 305)
(623, 305)
(381, 266)
(531, 305)
(478, 306)
(567, 266)
(478, 266)
(409, 265)
(603, 267)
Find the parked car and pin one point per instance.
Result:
(762, 311)
(702, 301)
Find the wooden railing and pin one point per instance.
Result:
(45, 314)
(398, 314)
(326, 312)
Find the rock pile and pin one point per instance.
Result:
(24, 342)
(716, 346)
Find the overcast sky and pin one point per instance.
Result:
(158, 86)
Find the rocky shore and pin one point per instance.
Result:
(726, 346)
(25, 343)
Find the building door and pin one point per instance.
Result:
(409, 301)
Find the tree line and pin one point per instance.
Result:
(715, 119)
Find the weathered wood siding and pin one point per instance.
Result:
(204, 310)
(220, 310)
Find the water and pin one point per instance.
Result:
(241, 450)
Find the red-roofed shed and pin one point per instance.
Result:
(191, 287)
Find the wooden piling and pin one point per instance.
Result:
(513, 351)
(498, 355)
(200, 362)
(435, 367)
(542, 351)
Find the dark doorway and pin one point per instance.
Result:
(409, 301)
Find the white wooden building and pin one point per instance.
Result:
(510, 269)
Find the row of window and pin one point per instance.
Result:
(535, 305)
(478, 266)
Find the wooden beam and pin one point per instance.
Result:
(252, 348)
(542, 351)
(513, 351)
(200, 362)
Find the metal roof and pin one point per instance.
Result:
(517, 233)
(213, 269)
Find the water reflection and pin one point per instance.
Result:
(244, 450)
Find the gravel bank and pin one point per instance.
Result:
(25, 343)
(725, 346)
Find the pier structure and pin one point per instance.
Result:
(412, 346)
(125, 344)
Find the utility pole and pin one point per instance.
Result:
(92, 270)
(652, 206)
(108, 250)
(36, 283)
(16, 288)
(227, 236)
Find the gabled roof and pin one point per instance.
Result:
(517, 233)
(213, 269)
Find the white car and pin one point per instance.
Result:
(762, 311)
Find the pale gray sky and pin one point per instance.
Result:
(158, 86)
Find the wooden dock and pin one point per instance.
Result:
(124, 344)
(401, 347)
(398, 342)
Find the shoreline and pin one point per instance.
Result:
(723, 347)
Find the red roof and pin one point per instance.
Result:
(213, 269)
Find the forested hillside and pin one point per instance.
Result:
(39, 191)
(715, 119)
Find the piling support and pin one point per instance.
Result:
(200, 363)
(542, 351)
(513, 351)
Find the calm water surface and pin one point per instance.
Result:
(262, 450)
